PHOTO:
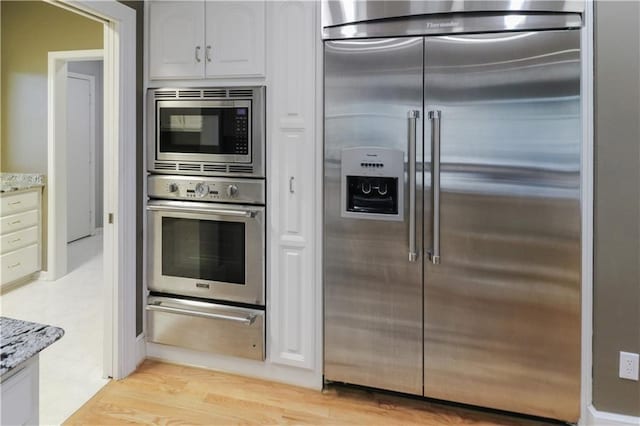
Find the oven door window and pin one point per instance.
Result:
(203, 249)
(205, 130)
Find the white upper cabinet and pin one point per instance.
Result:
(206, 39)
(235, 35)
(176, 40)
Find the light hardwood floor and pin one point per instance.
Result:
(160, 393)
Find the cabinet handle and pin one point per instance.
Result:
(15, 203)
(15, 265)
(208, 53)
(15, 222)
(15, 241)
(198, 54)
(291, 190)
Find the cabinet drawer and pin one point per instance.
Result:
(19, 202)
(19, 239)
(19, 263)
(18, 221)
(206, 327)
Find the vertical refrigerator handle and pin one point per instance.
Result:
(413, 117)
(434, 253)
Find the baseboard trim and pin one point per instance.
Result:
(141, 349)
(602, 418)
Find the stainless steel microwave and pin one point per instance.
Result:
(207, 131)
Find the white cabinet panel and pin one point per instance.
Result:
(293, 308)
(176, 37)
(291, 200)
(292, 337)
(235, 38)
(20, 397)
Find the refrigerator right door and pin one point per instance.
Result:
(502, 306)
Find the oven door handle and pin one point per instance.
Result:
(248, 320)
(221, 212)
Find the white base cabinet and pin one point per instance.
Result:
(19, 404)
(20, 235)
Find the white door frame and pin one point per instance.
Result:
(92, 145)
(121, 355)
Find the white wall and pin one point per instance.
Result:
(94, 68)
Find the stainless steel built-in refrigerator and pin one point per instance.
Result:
(452, 209)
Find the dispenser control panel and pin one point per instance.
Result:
(372, 183)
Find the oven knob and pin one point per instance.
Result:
(201, 189)
(232, 191)
(173, 187)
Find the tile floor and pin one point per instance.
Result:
(70, 369)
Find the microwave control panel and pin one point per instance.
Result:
(372, 183)
(241, 132)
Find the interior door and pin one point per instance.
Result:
(372, 291)
(80, 145)
(502, 308)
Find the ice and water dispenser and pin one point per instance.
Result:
(372, 183)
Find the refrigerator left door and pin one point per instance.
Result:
(372, 290)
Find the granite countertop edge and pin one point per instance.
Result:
(22, 340)
(11, 183)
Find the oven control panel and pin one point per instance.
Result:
(219, 190)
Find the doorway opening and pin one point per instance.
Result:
(112, 287)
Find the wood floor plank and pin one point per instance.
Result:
(167, 394)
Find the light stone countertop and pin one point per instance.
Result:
(15, 182)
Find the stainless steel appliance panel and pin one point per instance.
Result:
(206, 327)
(502, 306)
(339, 12)
(454, 23)
(372, 274)
(214, 189)
(244, 285)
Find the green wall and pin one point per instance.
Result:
(616, 296)
(30, 29)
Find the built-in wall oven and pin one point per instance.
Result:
(206, 131)
(206, 268)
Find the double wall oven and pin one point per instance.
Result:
(206, 220)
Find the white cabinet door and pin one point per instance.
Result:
(235, 38)
(293, 288)
(176, 37)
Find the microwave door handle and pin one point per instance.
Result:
(248, 320)
(221, 212)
